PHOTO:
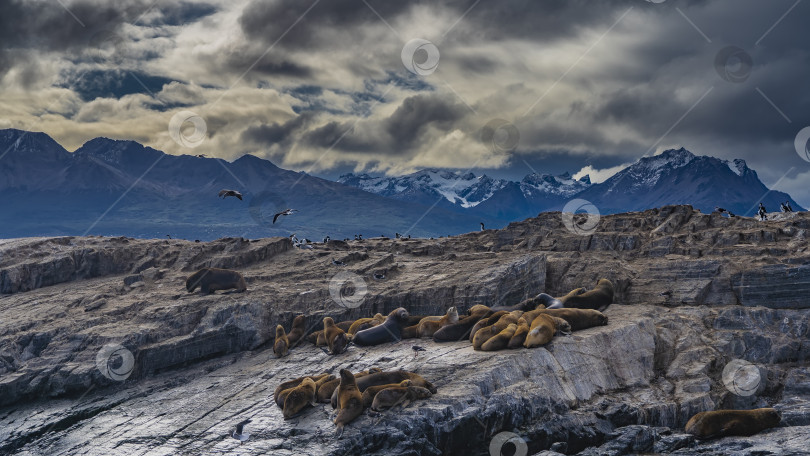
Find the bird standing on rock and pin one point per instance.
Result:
(416, 349)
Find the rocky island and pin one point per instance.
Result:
(104, 352)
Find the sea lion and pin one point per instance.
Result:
(292, 384)
(365, 323)
(212, 279)
(548, 301)
(349, 399)
(390, 397)
(579, 318)
(336, 338)
(384, 378)
(523, 306)
(720, 423)
(598, 298)
(371, 391)
(327, 388)
(520, 334)
(410, 332)
(543, 328)
(461, 330)
(345, 325)
(427, 328)
(318, 338)
(484, 334)
(282, 344)
(297, 330)
(414, 320)
(478, 308)
(299, 397)
(500, 340)
(390, 331)
(484, 322)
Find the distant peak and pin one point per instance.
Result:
(586, 179)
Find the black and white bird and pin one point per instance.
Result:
(397, 235)
(719, 209)
(326, 240)
(169, 236)
(359, 237)
(284, 212)
(238, 431)
(416, 349)
(338, 262)
(763, 214)
(482, 226)
(224, 193)
(789, 207)
(201, 156)
(379, 276)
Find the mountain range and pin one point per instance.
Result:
(116, 187)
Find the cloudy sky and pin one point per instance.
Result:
(323, 85)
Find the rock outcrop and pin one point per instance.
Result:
(102, 351)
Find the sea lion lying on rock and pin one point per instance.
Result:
(579, 318)
(299, 397)
(484, 322)
(427, 328)
(721, 423)
(387, 377)
(365, 323)
(371, 391)
(212, 279)
(327, 389)
(293, 383)
(390, 397)
(501, 340)
(461, 330)
(598, 298)
(543, 329)
(390, 331)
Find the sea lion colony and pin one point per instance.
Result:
(531, 323)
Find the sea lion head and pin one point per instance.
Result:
(308, 383)
(452, 314)
(399, 314)
(405, 382)
(771, 417)
(298, 321)
(602, 319)
(328, 322)
(477, 308)
(417, 392)
(279, 332)
(346, 376)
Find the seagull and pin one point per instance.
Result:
(416, 349)
(338, 262)
(237, 431)
(379, 276)
(482, 226)
(284, 212)
(224, 193)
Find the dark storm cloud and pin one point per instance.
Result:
(113, 83)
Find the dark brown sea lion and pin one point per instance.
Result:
(327, 388)
(461, 330)
(212, 279)
(484, 322)
(720, 423)
(297, 330)
(598, 298)
(371, 391)
(390, 331)
(292, 384)
(427, 328)
(281, 346)
(520, 334)
(336, 338)
(579, 318)
(397, 395)
(349, 400)
(410, 332)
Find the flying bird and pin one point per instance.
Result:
(224, 193)
(284, 212)
(238, 431)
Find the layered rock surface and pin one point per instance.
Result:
(694, 292)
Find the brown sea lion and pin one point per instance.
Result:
(461, 330)
(574, 292)
(390, 397)
(336, 338)
(365, 323)
(292, 384)
(371, 391)
(345, 325)
(297, 330)
(281, 346)
(598, 298)
(414, 320)
(390, 331)
(327, 389)
(579, 318)
(500, 340)
(212, 279)
(384, 378)
(543, 328)
(721, 423)
(520, 334)
(484, 322)
(478, 308)
(299, 397)
(349, 400)
(427, 328)
(410, 332)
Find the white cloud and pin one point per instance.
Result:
(599, 175)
